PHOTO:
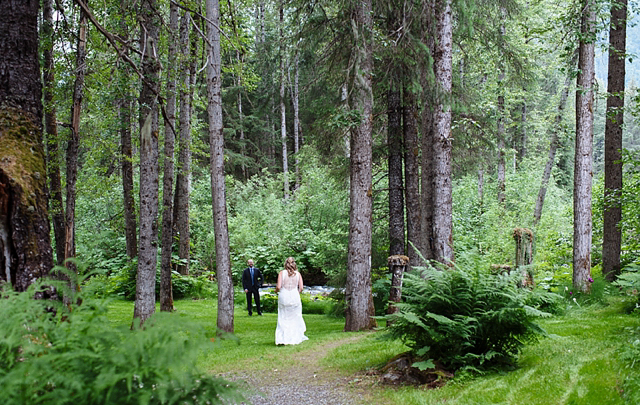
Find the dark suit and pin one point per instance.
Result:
(252, 287)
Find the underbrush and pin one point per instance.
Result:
(465, 319)
(50, 354)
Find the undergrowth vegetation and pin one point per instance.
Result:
(466, 319)
(52, 355)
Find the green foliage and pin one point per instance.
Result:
(78, 357)
(629, 280)
(465, 319)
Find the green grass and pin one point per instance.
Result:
(578, 364)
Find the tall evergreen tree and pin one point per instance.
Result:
(25, 245)
(216, 140)
(583, 172)
(358, 294)
(147, 258)
(612, 235)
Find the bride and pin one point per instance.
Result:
(291, 326)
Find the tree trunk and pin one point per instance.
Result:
(166, 292)
(283, 112)
(524, 255)
(214, 112)
(397, 267)
(412, 176)
(358, 295)
(124, 116)
(501, 130)
(296, 120)
(394, 142)
(74, 142)
(583, 174)
(522, 150)
(147, 259)
(183, 182)
(130, 223)
(56, 206)
(612, 236)
(427, 122)
(25, 245)
(442, 188)
(553, 147)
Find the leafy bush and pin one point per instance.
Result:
(77, 357)
(464, 319)
(315, 305)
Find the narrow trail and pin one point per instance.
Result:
(306, 382)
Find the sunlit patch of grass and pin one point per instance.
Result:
(577, 364)
(370, 352)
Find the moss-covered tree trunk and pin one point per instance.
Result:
(25, 245)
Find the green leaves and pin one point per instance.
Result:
(464, 319)
(78, 357)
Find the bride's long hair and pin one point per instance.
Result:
(290, 266)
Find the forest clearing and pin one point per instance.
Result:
(449, 190)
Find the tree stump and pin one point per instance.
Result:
(397, 266)
(524, 254)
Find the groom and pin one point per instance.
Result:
(251, 282)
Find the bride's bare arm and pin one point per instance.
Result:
(279, 283)
(300, 285)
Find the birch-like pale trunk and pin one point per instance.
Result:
(443, 188)
(166, 291)
(148, 251)
(612, 235)
(216, 140)
(358, 295)
(553, 147)
(583, 171)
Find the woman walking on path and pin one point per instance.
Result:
(291, 327)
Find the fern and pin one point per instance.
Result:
(77, 357)
(465, 319)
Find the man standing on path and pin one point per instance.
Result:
(251, 282)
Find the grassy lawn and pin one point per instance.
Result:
(578, 364)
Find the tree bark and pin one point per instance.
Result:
(612, 235)
(358, 295)
(553, 147)
(183, 182)
(397, 267)
(501, 130)
(412, 176)
(427, 122)
(166, 291)
(56, 205)
(130, 223)
(74, 142)
(147, 259)
(442, 189)
(216, 139)
(283, 111)
(396, 190)
(296, 119)
(25, 245)
(583, 174)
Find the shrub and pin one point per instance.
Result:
(629, 280)
(464, 319)
(77, 357)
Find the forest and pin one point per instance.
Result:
(462, 177)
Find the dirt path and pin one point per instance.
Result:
(308, 383)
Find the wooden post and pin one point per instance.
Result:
(397, 267)
(524, 254)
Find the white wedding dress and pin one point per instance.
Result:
(291, 327)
